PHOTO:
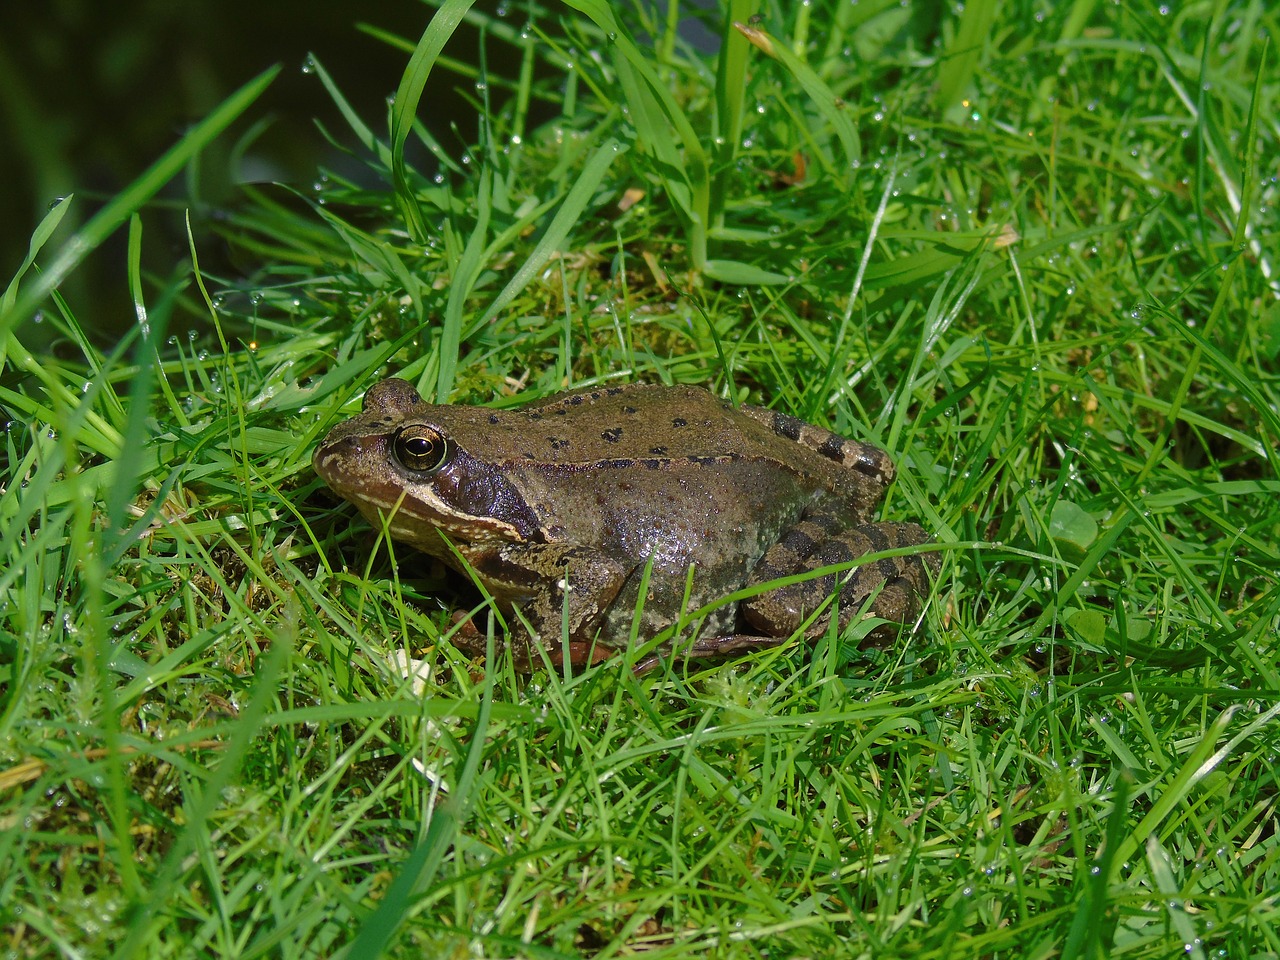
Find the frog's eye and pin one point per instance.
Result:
(420, 449)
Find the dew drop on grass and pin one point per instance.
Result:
(308, 66)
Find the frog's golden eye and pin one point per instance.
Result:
(420, 449)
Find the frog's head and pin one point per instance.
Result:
(400, 463)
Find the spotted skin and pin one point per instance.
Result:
(566, 508)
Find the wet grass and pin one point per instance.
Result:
(1029, 250)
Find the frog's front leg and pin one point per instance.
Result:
(555, 585)
(821, 540)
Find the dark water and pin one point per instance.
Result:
(92, 93)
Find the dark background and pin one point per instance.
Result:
(92, 93)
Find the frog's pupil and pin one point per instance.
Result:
(420, 451)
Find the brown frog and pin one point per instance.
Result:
(569, 507)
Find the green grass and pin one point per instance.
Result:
(1032, 253)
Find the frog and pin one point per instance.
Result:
(604, 516)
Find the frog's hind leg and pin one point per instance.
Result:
(819, 541)
(899, 585)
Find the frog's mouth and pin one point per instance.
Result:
(420, 522)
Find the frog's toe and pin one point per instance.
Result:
(730, 644)
(707, 648)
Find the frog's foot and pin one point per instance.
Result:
(713, 647)
(546, 589)
(525, 652)
(467, 636)
(898, 584)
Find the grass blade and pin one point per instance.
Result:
(960, 62)
(405, 109)
(107, 220)
(575, 202)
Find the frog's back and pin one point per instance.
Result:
(634, 421)
(643, 421)
(603, 431)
